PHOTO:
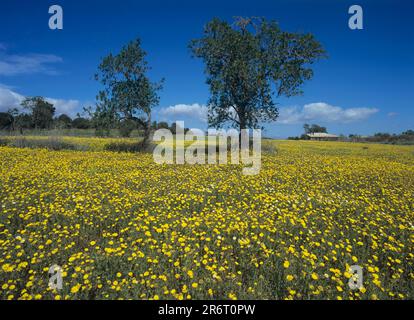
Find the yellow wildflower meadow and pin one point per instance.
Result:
(121, 226)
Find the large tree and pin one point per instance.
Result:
(128, 93)
(248, 65)
(41, 111)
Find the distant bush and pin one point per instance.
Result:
(81, 123)
(52, 143)
(126, 127)
(269, 148)
(4, 142)
(128, 147)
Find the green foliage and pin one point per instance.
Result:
(407, 137)
(52, 143)
(269, 147)
(126, 127)
(173, 128)
(81, 123)
(6, 121)
(129, 147)
(314, 128)
(63, 121)
(248, 65)
(163, 125)
(102, 132)
(128, 93)
(408, 133)
(23, 121)
(41, 111)
(4, 142)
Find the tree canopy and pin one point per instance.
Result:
(314, 128)
(6, 121)
(248, 65)
(40, 110)
(128, 93)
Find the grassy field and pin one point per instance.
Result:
(113, 133)
(121, 226)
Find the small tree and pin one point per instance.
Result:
(81, 123)
(128, 92)
(41, 111)
(63, 121)
(314, 128)
(408, 133)
(248, 65)
(163, 125)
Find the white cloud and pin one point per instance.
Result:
(319, 111)
(195, 111)
(10, 99)
(14, 64)
(324, 112)
(392, 114)
(69, 107)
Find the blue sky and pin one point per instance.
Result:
(365, 86)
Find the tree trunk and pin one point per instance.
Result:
(242, 126)
(147, 132)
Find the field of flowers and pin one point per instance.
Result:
(121, 226)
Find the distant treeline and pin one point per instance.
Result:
(406, 137)
(39, 114)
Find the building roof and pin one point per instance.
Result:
(321, 135)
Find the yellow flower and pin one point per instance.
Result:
(232, 296)
(75, 288)
(207, 225)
